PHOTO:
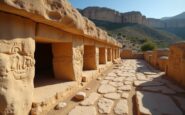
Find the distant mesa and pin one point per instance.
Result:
(110, 15)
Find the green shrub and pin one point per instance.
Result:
(148, 46)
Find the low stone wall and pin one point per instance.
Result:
(156, 58)
(176, 63)
(147, 56)
(156, 54)
(170, 61)
(163, 63)
(129, 54)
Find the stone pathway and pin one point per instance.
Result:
(130, 88)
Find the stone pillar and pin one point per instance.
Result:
(113, 53)
(17, 47)
(62, 61)
(89, 57)
(78, 51)
(97, 55)
(102, 55)
(109, 56)
(119, 53)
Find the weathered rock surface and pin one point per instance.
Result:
(176, 88)
(122, 107)
(93, 97)
(17, 47)
(125, 94)
(80, 96)
(162, 89)
(110, 15)
(105, 105)
(112, 96)
(180, 101)
(156, 104)
(83, 110)
(60, 105)
(105, 88)
(125, 88)
(147, 83)
(56, 13)
(116, 84)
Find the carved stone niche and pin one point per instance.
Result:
(17, 62)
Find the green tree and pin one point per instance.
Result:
(148, 46)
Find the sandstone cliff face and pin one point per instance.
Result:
(106, 14)
(110, 15)
(102, 14)
(133, 17)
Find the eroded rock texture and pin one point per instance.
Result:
(59, 14)
(16, 64)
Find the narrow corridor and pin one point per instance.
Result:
(130, 88)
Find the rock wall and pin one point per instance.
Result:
(110, 15)
(106, 14)
(176, 64)
(129, 54)
(102, 14)
(156, 54)
(163, 63)
(17, 46)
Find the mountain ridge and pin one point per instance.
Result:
(111, 15)
(176, 17)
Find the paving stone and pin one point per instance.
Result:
(83, 110)
(60, 105)
(105, 88)
(88, 88)
(125, 88)
(112, 74)
(80, 96)
(119, 91)
(105, 105)
(181, 102)
(112, 96)
(122, 107)
(176, 88)
(93, 97)
(156, 104)
(143, 78)
(128, 82)
(147, 83)
(109, 78)
(125, 95)
(162, 89)
(149, 73)
(130, 79)
(99, 78)
(104, 82)
(118, 79)
(116, 84)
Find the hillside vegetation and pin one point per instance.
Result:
(136, 34)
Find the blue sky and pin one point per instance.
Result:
(150, 8)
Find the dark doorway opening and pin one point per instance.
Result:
(44, 63)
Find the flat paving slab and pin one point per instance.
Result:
(83, 110)
(156, 104)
